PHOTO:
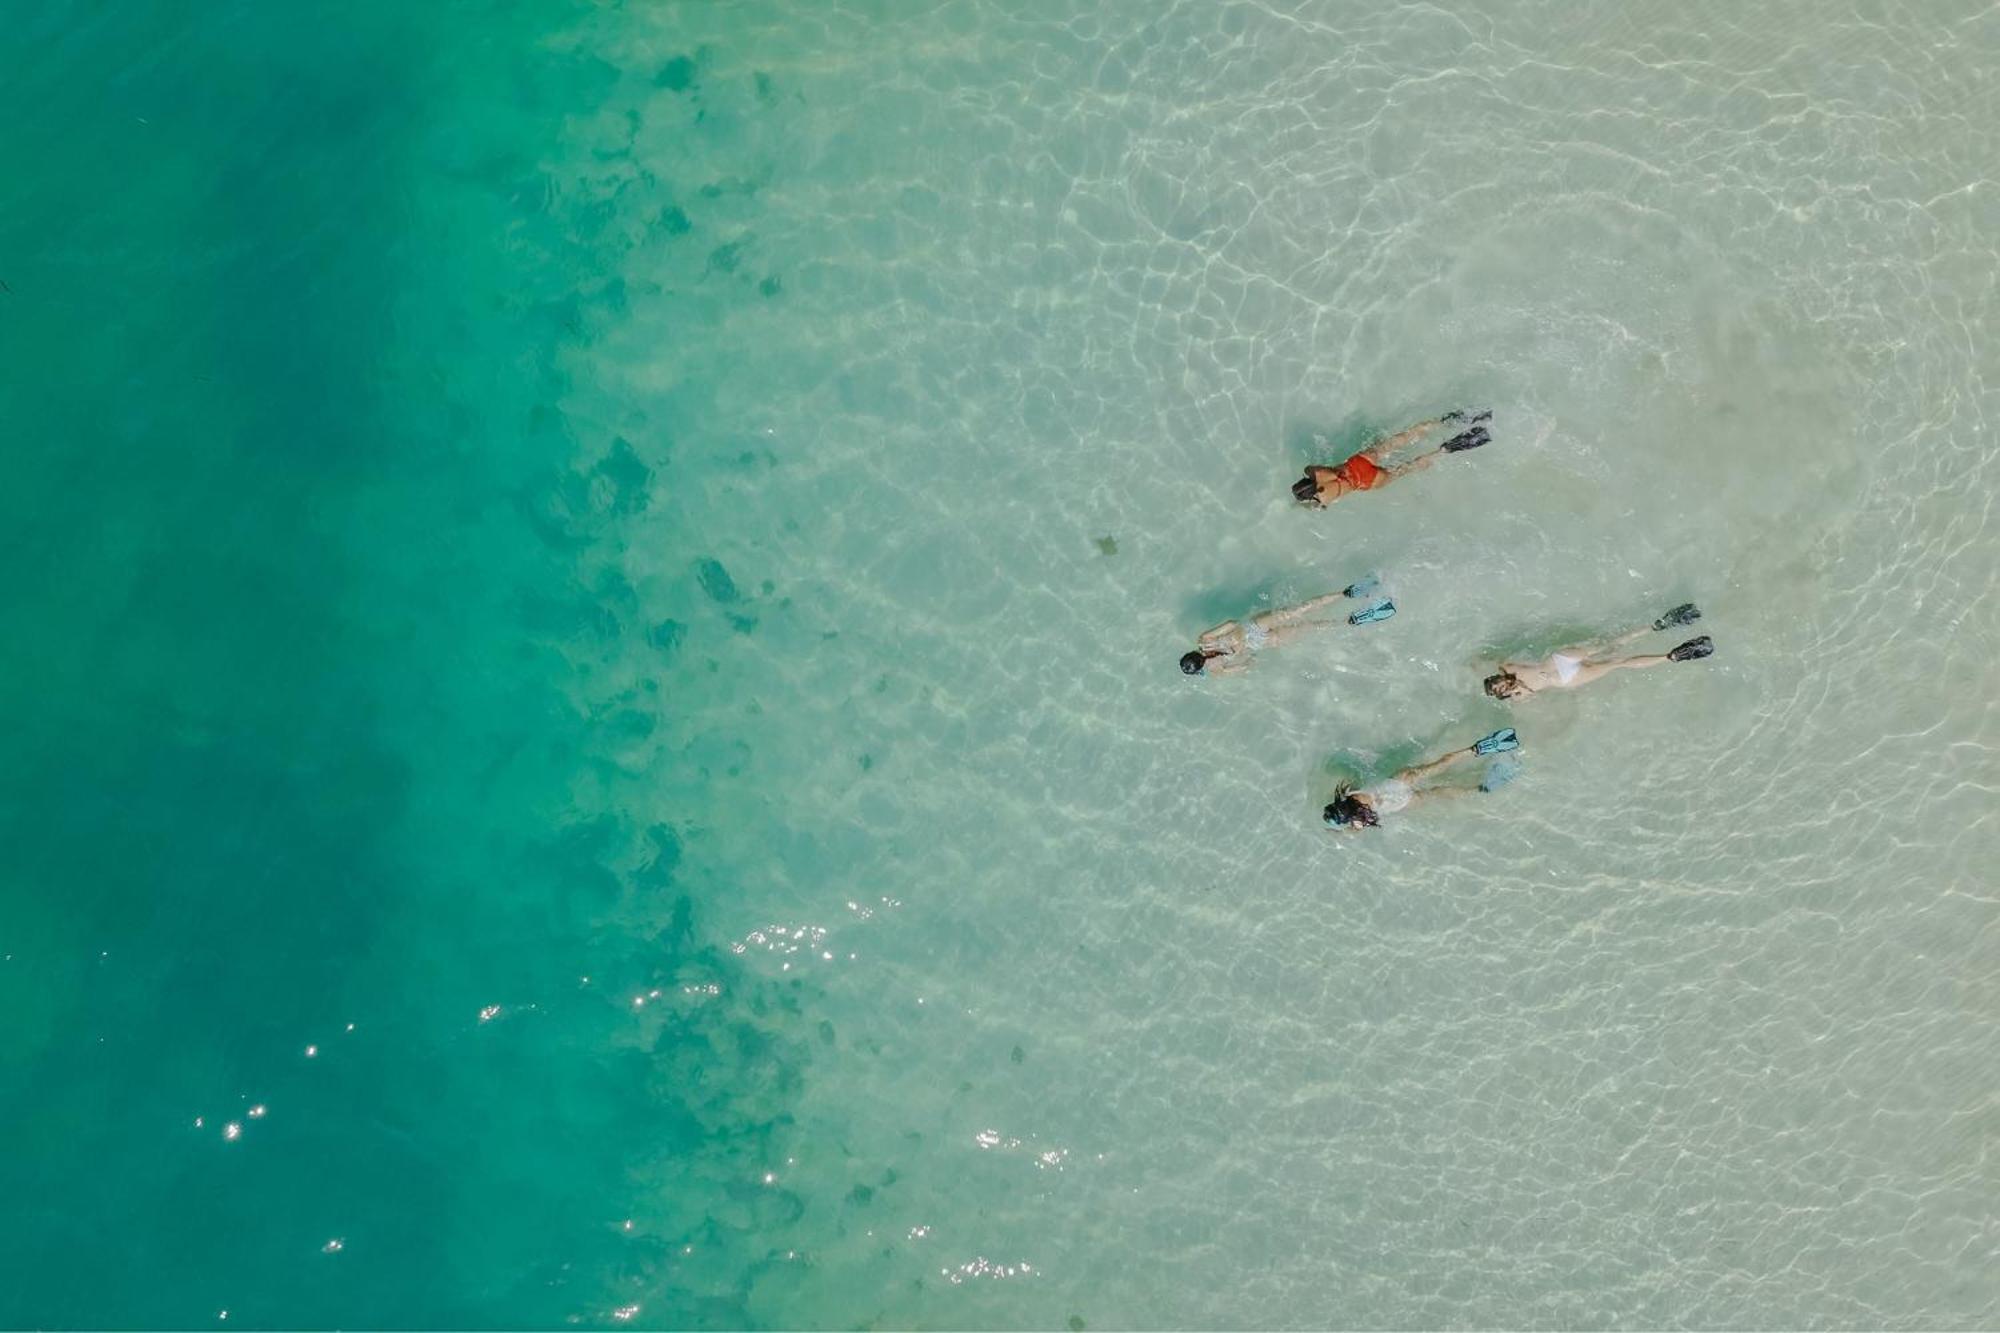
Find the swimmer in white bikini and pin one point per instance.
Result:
(1233, 645)
(1582, 663)
(1363, 807)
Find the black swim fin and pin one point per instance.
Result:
(1693, 650)
(1468, 416)
(1685, 614)
(1471, 439)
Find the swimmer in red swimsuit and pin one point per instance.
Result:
(1365, 471)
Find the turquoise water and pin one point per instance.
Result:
(564, 683)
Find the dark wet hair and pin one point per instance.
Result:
(1501, 680)
(1193, 662)
(1346, 808)
(1304, 491)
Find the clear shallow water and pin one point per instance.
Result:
(589, 518)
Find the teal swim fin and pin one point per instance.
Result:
(1368, 615)
(1363, 587)
(1498, 743)
(1500, 772)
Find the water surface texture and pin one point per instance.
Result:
(592, 733)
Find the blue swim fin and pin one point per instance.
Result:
(1500, 772)
(1498, 743)
(1366, 586)
(1368, 615)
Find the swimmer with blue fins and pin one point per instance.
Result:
(1232, 646)
(1355, 807)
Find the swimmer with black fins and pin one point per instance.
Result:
(1583, 663)
(1233, 645)
(1366, 471)
(1355, 807)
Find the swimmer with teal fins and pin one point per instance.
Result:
(1369, 469)
(1354, 807)
(1582, 663)
(1233, 645)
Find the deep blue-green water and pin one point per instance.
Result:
(293, 533)
(591, 734)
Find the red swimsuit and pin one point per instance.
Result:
(1360, 473)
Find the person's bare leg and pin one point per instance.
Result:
(1227, 636)
(1598, 670)
(1422, 771)
(1629, 636)
(1417, 464)
(1409, 435)
(1594, 648)
(1283, 634)
(1431, 795)
(1285, 615)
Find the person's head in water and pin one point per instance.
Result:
(1192, 663)
(1346, 810)
(1504, 685)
